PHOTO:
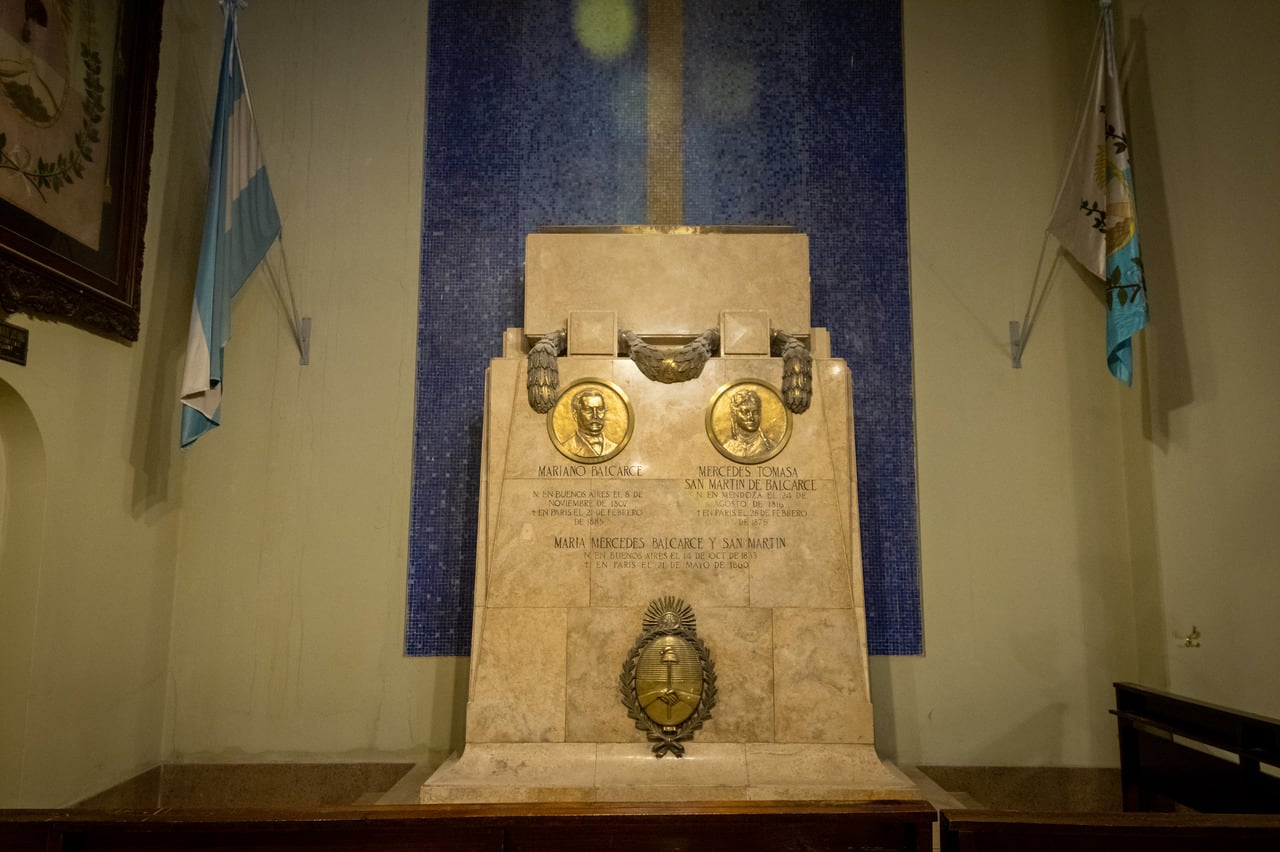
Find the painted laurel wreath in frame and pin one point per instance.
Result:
(77, 105)
(67, 166)
(668, 682)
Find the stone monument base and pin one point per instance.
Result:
(628, 772)
(660, 504)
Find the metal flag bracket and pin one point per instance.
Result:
(1020, 332)
(304, 341)
(299, 325)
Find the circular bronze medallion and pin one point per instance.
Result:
(591, 421)
(748, 422)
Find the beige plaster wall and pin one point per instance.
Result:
(1027, 589)
(89, 513)
(289, 607)
(1208, 79)
(1073, 530)
(1070, 528)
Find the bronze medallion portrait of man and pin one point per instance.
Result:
(591, 421)
(748, 422)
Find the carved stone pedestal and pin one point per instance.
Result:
(630, 490)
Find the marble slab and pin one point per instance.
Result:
(586, 772)
(571, 550)
(674, 284)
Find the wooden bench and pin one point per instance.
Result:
(1173, 751)
(1176, 751)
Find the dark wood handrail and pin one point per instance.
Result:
(1222, 744)
(1212, 724)
(487, 812)
(1164, 762)
(1000, 831)
(709, 826)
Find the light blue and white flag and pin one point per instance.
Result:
(240, 224)
(1095, 216)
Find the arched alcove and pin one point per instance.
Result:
(22, 511)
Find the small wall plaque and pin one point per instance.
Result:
(13, 343)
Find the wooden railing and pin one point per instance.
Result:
(1176, 751)
(1173, 751)
(1018, 831)
(537, 827)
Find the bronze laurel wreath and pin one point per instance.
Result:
(797, 371)
(678, 364)
(544, 373)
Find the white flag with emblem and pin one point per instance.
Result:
(1095, 216)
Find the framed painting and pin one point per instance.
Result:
(77, 104)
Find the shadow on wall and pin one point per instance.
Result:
(22, 500)
(175, 222)
(1164, 364)
(1042, 734)
(1164, 353)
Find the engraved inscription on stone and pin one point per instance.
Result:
(591, 421)
(748, 422)
(668, 682)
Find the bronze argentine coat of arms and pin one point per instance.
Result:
(668, 682)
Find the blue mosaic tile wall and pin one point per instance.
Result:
(792, 115)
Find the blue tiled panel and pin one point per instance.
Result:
(797, 119)
(791, 117)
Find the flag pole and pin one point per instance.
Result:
(299, 325)
(1020, 333)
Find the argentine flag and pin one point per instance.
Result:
(240, 224)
